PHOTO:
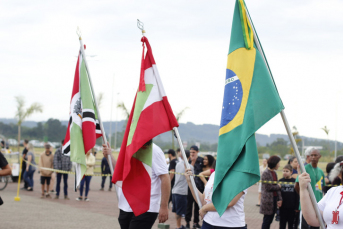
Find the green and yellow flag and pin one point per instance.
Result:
(250, 100)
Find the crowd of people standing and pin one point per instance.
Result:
(284, 199)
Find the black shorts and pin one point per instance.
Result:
(43, 179)
(179, 204)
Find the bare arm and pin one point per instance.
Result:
(165, 190)
(106, 150)
(189, 173)
(210, 207)
(5, 171)
(204, 173)
(305, 201)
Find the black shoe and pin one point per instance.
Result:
(23, 188)
(196, 226)
(188, 226)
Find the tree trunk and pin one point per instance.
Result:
(18, 137)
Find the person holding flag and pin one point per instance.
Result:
(250, 100)
(141, 170)
(84, 127)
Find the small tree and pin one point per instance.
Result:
(99, 99)
(22, 114)
(124, 109)
(295, 133)
(178, 117)
(326, 130)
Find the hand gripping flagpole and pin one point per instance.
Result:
(78, 32)
(187, 166)
(140, 26)
(288, 129)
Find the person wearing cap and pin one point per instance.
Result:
(330, 206)
(46, 160)
(317, 181)
(197, 163)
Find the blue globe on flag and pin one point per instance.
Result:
(233, 94)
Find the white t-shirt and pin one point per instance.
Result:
(329, 204)
(232, 217)
(159, 167)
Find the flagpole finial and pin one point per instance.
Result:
(78, 32)
(140, 26)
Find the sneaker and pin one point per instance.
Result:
(66, 198)
(182, 227)
(196, 226)
(42, 196)
(86, 199)
(101, 189)
(56, 197)
(110, 189)
(79, 198)
(48, 196)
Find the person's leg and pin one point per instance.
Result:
(42, 181)
(103, 179)
(58, 182)
(267, 220)
(23, 169)
(190, 201)
(31, 177)
(110, 182)
(290, 218)
(52, 182)
(283, 218)
(143, 221)
(82, 183)
(124, 219)
(26, 178)
(174, 208)
(196, 213)
(48, 181)
(65, 181)
(88, 181)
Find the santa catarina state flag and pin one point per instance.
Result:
(250, 100)
(150, 116)
(83, 128)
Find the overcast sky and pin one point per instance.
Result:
(190, 39)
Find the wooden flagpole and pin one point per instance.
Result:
(95, 102)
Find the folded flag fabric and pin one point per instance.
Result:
(83, 128)
(150, 116)
(250, 100)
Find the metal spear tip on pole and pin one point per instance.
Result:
(78, 32)
(140, 26)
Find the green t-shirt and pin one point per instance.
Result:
(317, 181)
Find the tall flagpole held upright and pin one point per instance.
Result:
(95, 102)
(288, 129)
(187, 166)
(140, 25)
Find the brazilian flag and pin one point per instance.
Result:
(250, 100)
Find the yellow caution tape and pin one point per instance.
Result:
(67, 172)
(260, 181)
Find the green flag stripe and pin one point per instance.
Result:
(141, 98)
